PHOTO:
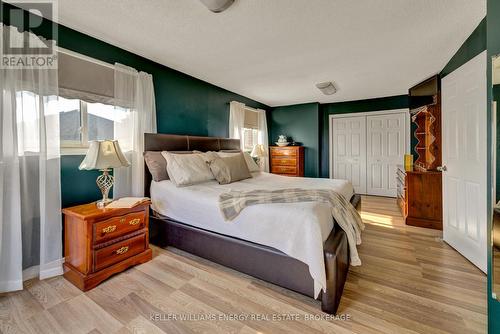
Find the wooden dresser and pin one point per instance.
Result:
(101, 242)
(287, 160)
(419, 197)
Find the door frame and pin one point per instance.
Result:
(332, 117)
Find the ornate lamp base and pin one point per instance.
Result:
(104, 182)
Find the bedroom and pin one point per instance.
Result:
(235, 79)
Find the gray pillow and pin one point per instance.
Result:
(229, 169)
(157, 165)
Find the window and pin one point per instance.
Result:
(250, 138)
(81, 122)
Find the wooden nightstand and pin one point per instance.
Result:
(101, 242)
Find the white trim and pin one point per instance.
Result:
(83, 57)
(30, 273)
(52, 269)
(371, 113)
(331, 117)
(49, 270)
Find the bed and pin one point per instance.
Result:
(296, 246)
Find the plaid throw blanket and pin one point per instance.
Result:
(233, 202)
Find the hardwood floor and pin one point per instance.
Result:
(410, 282)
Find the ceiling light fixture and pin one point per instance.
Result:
(217, 6)
(327, 88)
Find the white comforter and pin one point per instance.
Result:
(296, 229)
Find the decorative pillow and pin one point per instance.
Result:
(208, 156)
(229, 169)
(157, 165)
(187, 169)
(252, 166)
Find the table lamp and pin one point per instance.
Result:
(258, 152)
(104, 155)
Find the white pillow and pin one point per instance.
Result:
(252, 166)
(187, 169)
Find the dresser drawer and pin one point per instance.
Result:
(119, 251)
(284, 169)
(283, 151)
(284, 161)
(118, 226)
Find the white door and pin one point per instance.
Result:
(464, 156)
(349, 151)
(385, 149)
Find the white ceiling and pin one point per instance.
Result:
(276, 51)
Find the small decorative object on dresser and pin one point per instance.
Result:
(100, 242)
(282, 141)
(287, 160)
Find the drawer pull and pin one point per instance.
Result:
(134, 221)
(122, 220)
(122, 250)
(109, 229)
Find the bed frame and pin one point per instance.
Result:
(259, 261)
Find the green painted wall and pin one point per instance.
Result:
(301, 123)
(185, 105)
(493, 46)
(383, 103)
(310, 121)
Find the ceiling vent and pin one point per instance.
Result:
(217, 6)
(327, 88)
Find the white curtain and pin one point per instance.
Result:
(237, 121)
(30, 192)
(134, 94)
(263, 138)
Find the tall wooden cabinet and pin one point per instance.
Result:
(419, 189)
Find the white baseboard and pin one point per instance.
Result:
(48, 270)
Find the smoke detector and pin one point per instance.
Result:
(327, 88)
(217, 6)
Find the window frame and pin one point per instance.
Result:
(256, 138)
(71, 147)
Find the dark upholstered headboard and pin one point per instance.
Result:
(166, 142)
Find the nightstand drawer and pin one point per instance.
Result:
(119, 251)
(118, 226)
(284, 161)
(284, 169)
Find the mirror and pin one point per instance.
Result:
(496, 176)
